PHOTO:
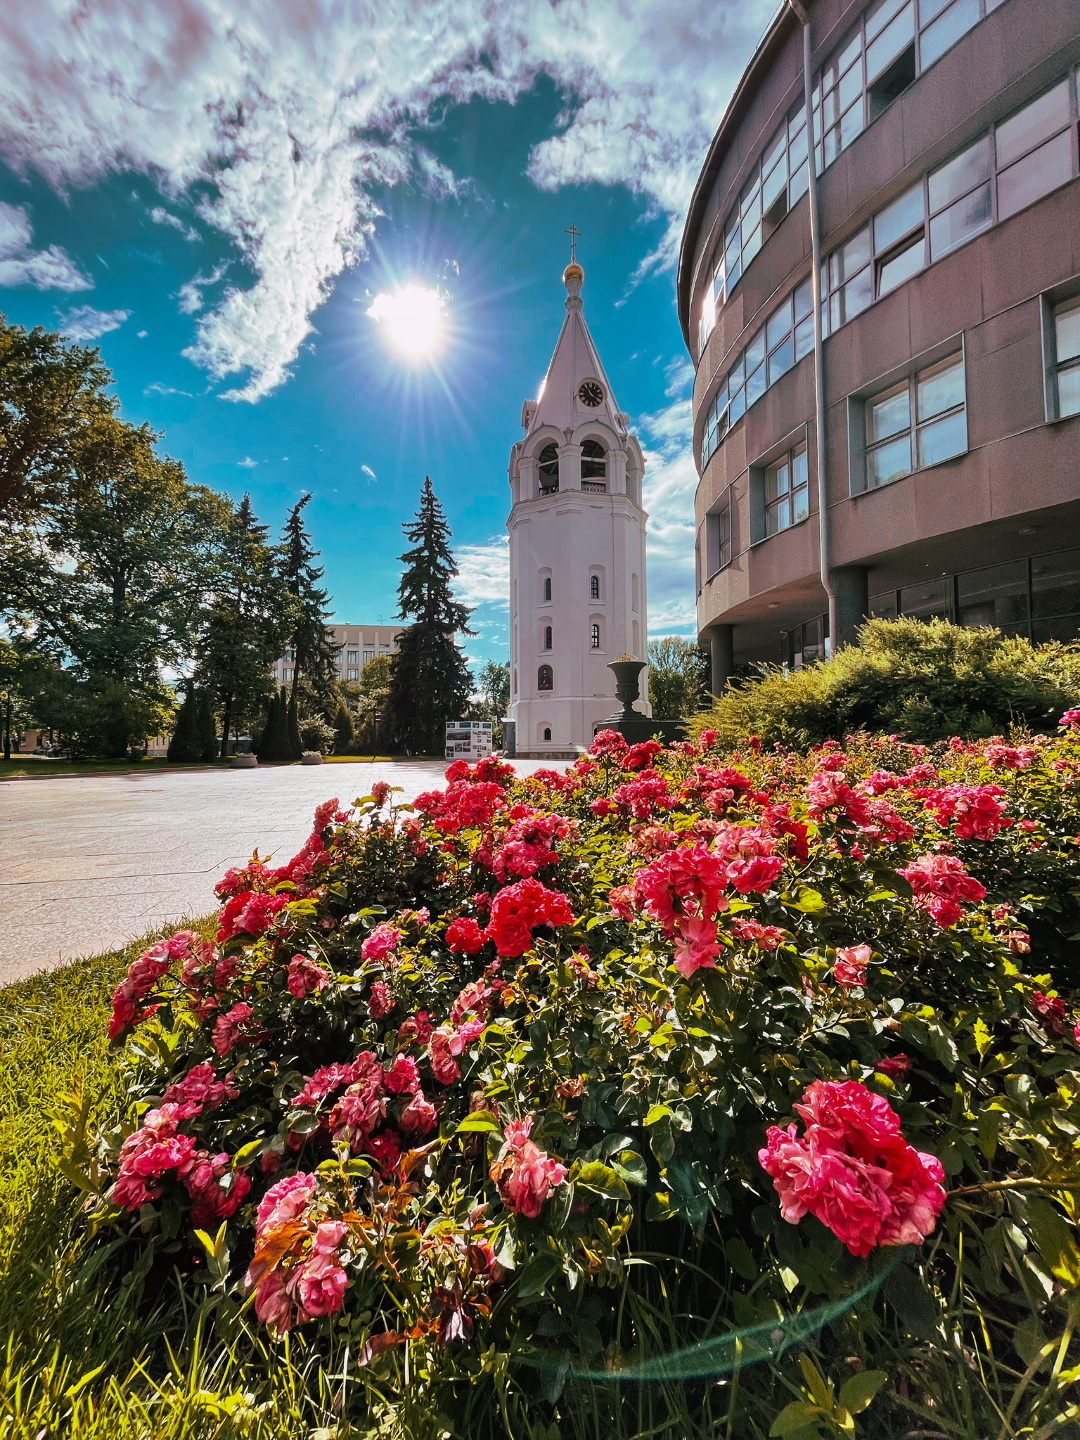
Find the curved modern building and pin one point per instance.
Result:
(887, 347)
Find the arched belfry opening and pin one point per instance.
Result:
(593, 465)
(549, 469)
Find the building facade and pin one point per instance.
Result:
(577, 547)
(358, 646)
(917, 449)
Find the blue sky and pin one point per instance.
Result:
(241, 190)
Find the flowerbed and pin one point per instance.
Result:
(545, 1078)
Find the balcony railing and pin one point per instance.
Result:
(598, 487)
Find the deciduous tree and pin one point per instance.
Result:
(678, 677)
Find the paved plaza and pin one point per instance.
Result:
(89, 862)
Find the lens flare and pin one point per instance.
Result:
(413, 320)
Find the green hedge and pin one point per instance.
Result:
(924, 681)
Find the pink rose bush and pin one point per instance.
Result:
(439, 1074)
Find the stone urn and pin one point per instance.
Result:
(627, 682)
(631, 724)
(311, 757)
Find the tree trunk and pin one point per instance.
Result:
(226, 725)
(7, 728)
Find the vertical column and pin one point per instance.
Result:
(852, 603)
(722, 655)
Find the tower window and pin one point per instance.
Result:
(1067, 358)
(545, 680)
(596, 637)
(547, 587)
(547, 637)
(547, 732)
(549, 469)
(594, 587)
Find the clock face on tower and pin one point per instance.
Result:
(590, 393)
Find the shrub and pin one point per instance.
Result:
(560, 1102)
(922, 680)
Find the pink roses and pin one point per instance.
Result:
(524, 1174)
(854, 1170)
(519, 909)
(940, 882)
(849, 967)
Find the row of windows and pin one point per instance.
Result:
(894, 42)
(1038, 599)
(594, 588)
(1008, 167)
(919, 422)
(594, 637)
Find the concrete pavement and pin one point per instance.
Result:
(89, 862)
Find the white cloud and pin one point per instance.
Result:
(668, 495)
(484, 573)
(289, 119)
(160, 216)
(51, 269)
(368, 471)
(190, 294)
(86, 323)
(157, 388)
(247, 463)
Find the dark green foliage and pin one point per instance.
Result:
(186, 743)
(344, 730)
(922, 680)
(293, 746)
(207, 726)
(249, 617)
(310, 637)
(430, 681)
(678, 677)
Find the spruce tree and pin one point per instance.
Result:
(430, 681)
(293, 746)
(184, 744)
(310, 637)
(248, 621)
(206, 726)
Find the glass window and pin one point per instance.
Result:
(898, 219)
(594, 586)
(596, 637)
(1032, 125)
(368, 655)
(718, 537)
(1036, 175)
(547, 587)
(916, 424)
(786, 492)
(353, 674)
(883, 605)
(901, 266)
(957, 20)
(354, 657)
(928, 601)
(547, 637)
(997, 595)
(1055, 596)
(895, 37)
(1067, 357)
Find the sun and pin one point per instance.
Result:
(413, 319)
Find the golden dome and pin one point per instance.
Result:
(573, 271)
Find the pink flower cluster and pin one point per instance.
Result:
(684, 891)
(296, 1271)
(468, 1016)
(854, 1170)
(849, 967)
(381, 943)
(306, 977)
(524, 1174)
(528, 844)
(159, 1148)
(940, 883)
(472, 796)
(976, 812)
(129, 998)
(749, 855)
(518, 910)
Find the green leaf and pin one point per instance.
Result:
(536, 1275)
(796, 1416)
(247, 1152)
(631, 1166)
(479, 1120)
(982, 1037)
(76, 1176)
(857, 1393)
(820, 1388)
(1054, 1240)
(811, 901)
(913, 1301)
(603, 1180)
(657, 1112)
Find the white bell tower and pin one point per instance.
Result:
(577, 548)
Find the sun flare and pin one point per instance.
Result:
(413, 320)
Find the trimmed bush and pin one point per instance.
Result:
(185, 744)
(558, 1105)
(923, 681)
